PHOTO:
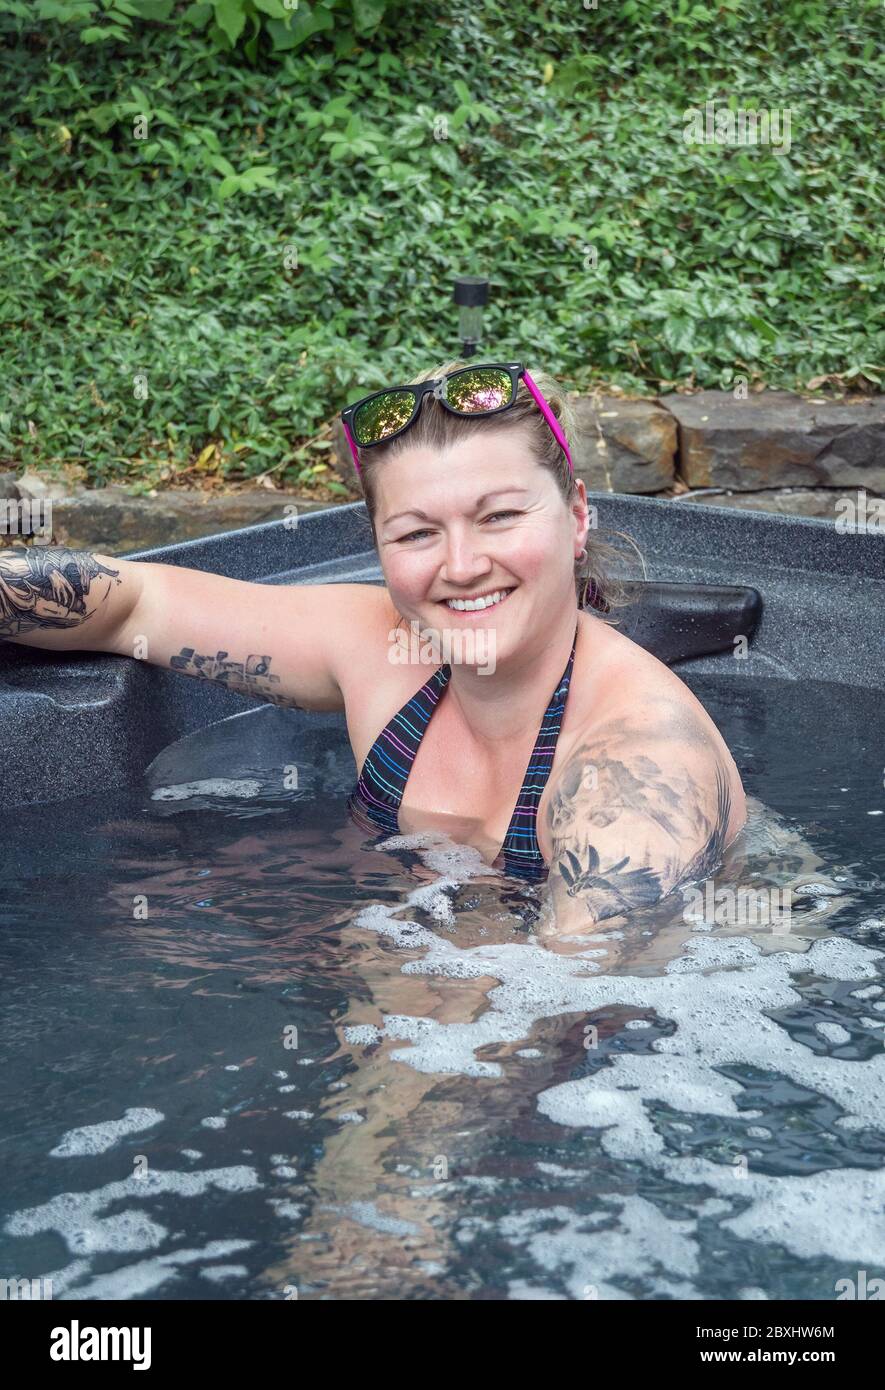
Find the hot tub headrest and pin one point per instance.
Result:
(677, 621)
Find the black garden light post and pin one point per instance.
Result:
(471, 296)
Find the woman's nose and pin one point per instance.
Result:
(464, 559)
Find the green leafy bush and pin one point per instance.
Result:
(207, 244)
(286, 24)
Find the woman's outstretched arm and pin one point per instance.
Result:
(289, 644)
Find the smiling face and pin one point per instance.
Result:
(478, 518)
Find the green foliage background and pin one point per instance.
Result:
(256, 211)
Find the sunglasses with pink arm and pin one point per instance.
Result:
(486, 389)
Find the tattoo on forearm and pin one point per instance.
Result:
(596, 789)
(50, 588)
(250, 677)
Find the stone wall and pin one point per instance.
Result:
(113, 521)
(769, 451)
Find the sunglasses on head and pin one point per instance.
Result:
(486, 389)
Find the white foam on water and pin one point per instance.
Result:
(214, 1122)
(364, 1033)
(367, 1214)
(148, 1275)
(286, 1210)
(433, 1190)
(816, 889)
(350, 1117)
(485, 1181)
(218, 1273)
(75, 1216)
(378, 918)
(438, 1048)
(62, 1279)
(456, 863)
(518, 1289)
(635, 1235)
(97, 1139)
(443, 856)
(286, 1089)
(718, 992)
(455, 967)
(133, 1280)
(297, 1114)
(724, 1024)
(529, 1052)
(191, 1153)
(243, 788)
(833, 1033)
(441, 908)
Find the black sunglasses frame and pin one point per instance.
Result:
(515, 370)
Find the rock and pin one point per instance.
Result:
(8, 486)
(641, 444)
(112, 521)
(777, 439)
(35, 487)
(828, 503)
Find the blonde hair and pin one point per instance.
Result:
(438, 428)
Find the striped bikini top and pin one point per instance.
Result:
(379, 791)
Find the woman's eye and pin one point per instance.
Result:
(493, 516)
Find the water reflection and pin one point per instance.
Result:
(468, 1109)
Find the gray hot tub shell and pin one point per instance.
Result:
(83, 723)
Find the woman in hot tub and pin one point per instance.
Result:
(573, 756)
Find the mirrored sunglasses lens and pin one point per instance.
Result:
(485, 388)
(383, 415)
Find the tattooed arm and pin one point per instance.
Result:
(636, 813)
(289, 644)
(54, 597)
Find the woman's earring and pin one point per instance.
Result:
(582, 557)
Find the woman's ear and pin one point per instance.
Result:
(581, 510)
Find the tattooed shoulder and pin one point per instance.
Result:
(639, 808)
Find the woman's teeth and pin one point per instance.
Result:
(473, 605)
